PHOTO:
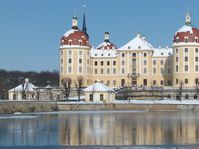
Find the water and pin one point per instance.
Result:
(127, 129)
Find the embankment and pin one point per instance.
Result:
(9, 107)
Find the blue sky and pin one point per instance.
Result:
(30, 30)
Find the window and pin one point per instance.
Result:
(161, 82)
(61, 69)
(176, 81)
(186, 96)
(162, 70)
(108, 82)
(186, 58)
(154, 62)
(102, 71)
(176, 50)
(196, 50)
(69, 60)
(133, 61)
(186, 81)
(186, 39)
(114, 82)
(102, 63)
(123, 62)
(61, 61)
(95, 71)
(62, 52)
(80, 61)
(123, 71)
(169, 82)
(101, 97)
(196, 59)
(154, 82)
(114, 71)
(80, 52)
(177, 39)
(186, 68)
(169, 70)
(114, 62)
(70, 42)
(196, 68)
(168, 96)
(145, 54)
(108, 63)
(145, 62)
(176, 59)
(154, 70)
(186, 50)
(161, 62)
(80, 42)
(195, 96)
(80, 69)
(123, 55)
(95, 63)
(196, 39)
(134, 55)
(108, 71)
(176, 68)
(91, 97)
(145, 70)
(69, 69)
(134, 69)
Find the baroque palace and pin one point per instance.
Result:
(137, 63)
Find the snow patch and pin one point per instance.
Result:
(185, 28)
(138, 43)
(98, 86)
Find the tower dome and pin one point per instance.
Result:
(187, 33)
(75, 37)
(106, 44)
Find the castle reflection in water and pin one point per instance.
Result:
(102, 128)
(129, 129)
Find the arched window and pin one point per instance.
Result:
(80, 42)
(186, 39)
(196, 39)
(177, 39)
(70, 42)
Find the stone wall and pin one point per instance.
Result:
(30, 106)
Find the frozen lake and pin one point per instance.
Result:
(106, 129)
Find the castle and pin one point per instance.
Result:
(137, 63)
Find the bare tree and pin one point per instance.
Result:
(78, 84)
(66, 82)
(180, 90)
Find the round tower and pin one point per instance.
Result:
(74, 55)
(186, 55)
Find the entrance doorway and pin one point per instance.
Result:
(134, 82)
(122, 82)
(145, 82)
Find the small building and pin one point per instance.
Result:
(99, 92)
(24, 91)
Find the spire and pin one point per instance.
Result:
(84, 29)
(188, 19)
(106, 36)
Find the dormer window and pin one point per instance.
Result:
(196, 39)
(129, 47)
(80, 42)
(109, 54)
(70, 42)
(177, 39)
(161, 53)
(186, 39)
(139, 47)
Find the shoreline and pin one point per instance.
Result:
(11, 107)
